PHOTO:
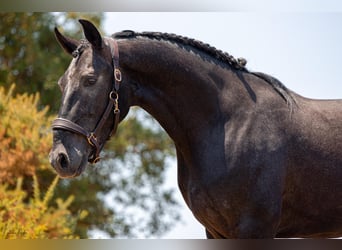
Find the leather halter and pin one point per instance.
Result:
(65, 124)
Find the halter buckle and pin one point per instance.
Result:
(91, 138)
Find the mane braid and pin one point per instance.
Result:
(238, 63)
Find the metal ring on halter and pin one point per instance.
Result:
(117, 75)
(113, 95)
(97, 159)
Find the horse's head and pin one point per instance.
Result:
(89, 109)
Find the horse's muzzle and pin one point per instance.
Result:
(65, 165)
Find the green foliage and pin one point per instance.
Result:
(35, 219)
(26, 41)
(30, 55)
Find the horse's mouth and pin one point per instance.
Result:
(78, 172)
(80, 169)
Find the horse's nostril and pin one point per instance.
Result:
(63, 160)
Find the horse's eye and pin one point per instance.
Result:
(90, 81)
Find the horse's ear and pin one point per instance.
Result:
(68, 44)
(91, 33)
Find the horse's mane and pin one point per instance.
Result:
(237, 63)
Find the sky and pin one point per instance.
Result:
(303, 49)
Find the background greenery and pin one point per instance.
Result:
(122, 196)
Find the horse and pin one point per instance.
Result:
(254, 159)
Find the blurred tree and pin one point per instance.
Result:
(36, 219)
(24, 143)
(24, 136)
(29, 54)
(124, 193)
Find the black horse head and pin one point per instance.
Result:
(90, 93)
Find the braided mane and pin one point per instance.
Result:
(238, 63)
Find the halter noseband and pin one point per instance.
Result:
(65, 124)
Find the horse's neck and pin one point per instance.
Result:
(177, 87)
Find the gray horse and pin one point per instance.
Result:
(255, 160)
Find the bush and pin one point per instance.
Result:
(24, 136)
(24, 145)
(35, 219)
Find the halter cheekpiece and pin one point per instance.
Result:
(113, 105)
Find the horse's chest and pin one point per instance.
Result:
(206, 208)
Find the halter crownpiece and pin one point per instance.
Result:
(113, 101)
